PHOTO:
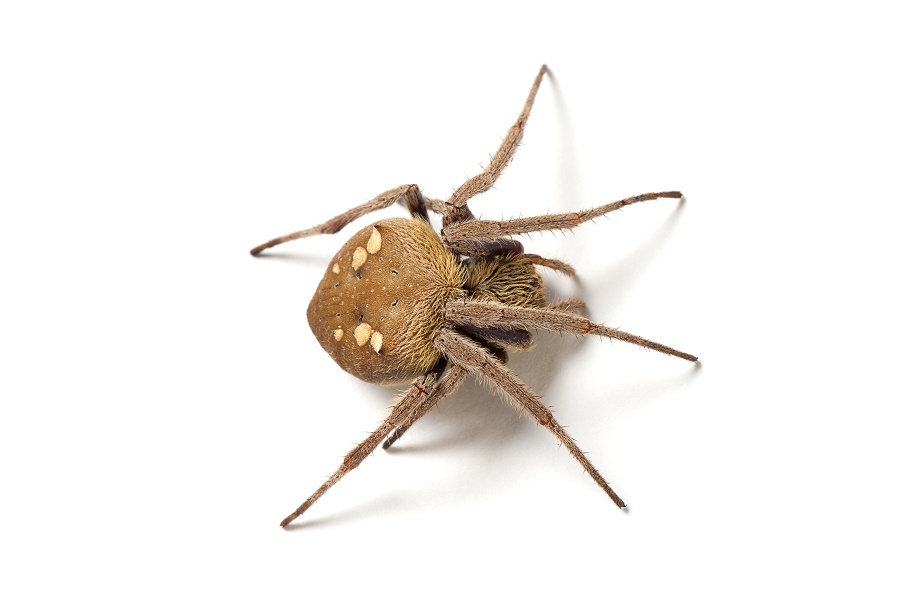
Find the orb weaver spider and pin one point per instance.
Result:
(402, 303)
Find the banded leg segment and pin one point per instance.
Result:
(476, 360)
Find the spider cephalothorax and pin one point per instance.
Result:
(400, 303)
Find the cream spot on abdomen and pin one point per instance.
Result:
(376, 341)
(374, 243)
(359, 258)
(362, 334)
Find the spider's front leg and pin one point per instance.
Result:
(413, 397)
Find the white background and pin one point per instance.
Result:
(164, 403)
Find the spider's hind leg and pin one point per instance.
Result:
(417, 204)
(486, 179)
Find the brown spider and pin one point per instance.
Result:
(399, 303)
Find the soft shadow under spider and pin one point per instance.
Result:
(475, 416)
(479, 417)
(312, 259)
(389, 501)
(482, 418)
(617, 276)
(631, 394)
(467, 294)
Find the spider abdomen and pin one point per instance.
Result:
(382, 298)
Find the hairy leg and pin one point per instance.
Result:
(485, 180)
(558, 265)
(450, 383)
(413, 398)
(482, 313)
(503, 336)
(461, 235)
(409, 194)
(493, 247)
(570, 305)
(476, 360)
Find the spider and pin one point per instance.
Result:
(401, 303)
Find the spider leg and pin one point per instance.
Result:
(558, 265)
(411, 399)
(481, 313)
(505, 336)
(570, 305)
(485, 180)
(417, 204)
(464, 236)
(494, 247)
(450, 383)
(475, 359)
(504, 246)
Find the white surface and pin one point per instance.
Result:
(165, 405)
